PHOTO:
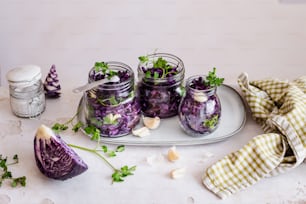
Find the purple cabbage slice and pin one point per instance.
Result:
(54, 158)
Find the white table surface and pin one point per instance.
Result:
(265, 38)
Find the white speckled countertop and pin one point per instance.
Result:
(265, 38)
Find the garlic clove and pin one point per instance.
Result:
(141, 132)
(151, 123)
(200, 97)
(173, 155)
(178, 173)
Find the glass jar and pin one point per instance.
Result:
(159, 88)
(199, 110)
(27, 98)
(112, 106)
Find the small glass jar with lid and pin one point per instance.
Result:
(160, 78)
(112, 106)
(27, 98)
(200, 108)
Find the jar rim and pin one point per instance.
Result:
(176, 61)
(118, 65)
(191, 78)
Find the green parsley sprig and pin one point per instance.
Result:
(59, 127)
(103, 67)
(118, 173)
(211, 123)
(7, 175)
(158, 65)
(212, 80)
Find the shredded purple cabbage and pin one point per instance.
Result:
(115, 100)
(129, 112)
(161, 97)
(199, 118)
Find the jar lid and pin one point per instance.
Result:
(25, 75)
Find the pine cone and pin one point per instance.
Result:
(51, 85)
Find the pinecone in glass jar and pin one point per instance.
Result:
(51, 85)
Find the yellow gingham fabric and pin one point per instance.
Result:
(280, 108)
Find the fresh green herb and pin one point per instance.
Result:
(101, 66)
(93, 131)
(7, 175)
(143, 59)
(119, 174)
(212, 80)
(211, 123)
(59, 127)
(148, 74)
(120, 148)
(111, 119)
(77, 126)
(125, 171)
(113, 101)
(15, 158)
(104, 148)
(160, 69)
(156, 75)
(19, 180)
(161, 63)
(111, 73)
(112, 153)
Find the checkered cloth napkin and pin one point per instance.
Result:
(280, 108)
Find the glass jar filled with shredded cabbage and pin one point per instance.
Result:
(200, 108)
(112, 106)
(160, 84)
(27, 98)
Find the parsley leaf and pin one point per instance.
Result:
(111, 119)
(156, 75)
(94, 132)
(19, 180)
(77, 126)
(161, 63)
(120, 148)
(101, 66)
(104, 148)
(57, 127)
(143, 59)
(112, 153)
(212, 80)
(124, 171)
(212, 122)
(7, 175)
(104, 68)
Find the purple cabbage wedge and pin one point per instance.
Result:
(54, 158)
(51, 85)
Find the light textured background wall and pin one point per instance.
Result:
(232, 35)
